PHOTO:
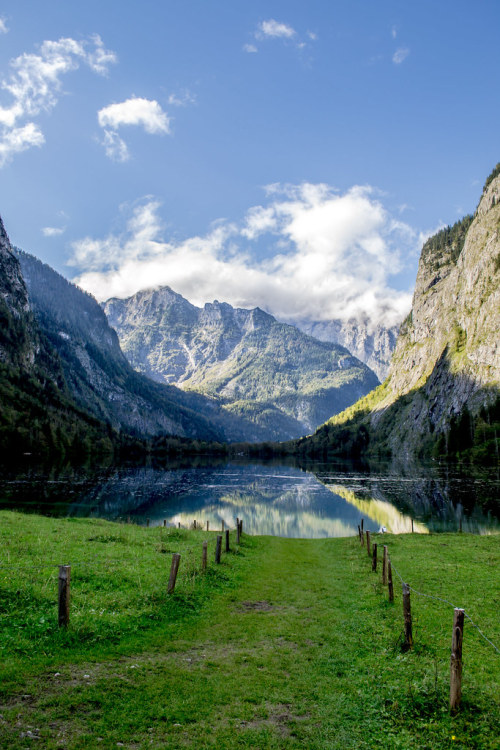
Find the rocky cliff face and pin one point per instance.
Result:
(97, 373)
(445, 370)
(267, 372)
(19, 341)
(373, 345)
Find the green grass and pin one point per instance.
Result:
(286, 644)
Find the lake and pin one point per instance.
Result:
(281, 499)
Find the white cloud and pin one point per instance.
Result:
(3, 26)
(334, 257)
(53, 231)
(275, 29)
(183, 99)
(115, 147)
(400, 55)
(394, 32)
(250, 48)
(312, 35)
(15, 140)
(145, 113)
(34, 86)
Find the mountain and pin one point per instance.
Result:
(97, 374)
(270, 373)
(37, 412)
(372, 344)
(442, 393)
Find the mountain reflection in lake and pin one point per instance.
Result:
(316, 501)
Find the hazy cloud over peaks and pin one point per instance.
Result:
(328, 256)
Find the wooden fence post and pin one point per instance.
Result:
(237, 531)
(362, 535)
(179, 525)
(362, 524)
(241, 527)
(456, 659)
(408, 642)
(374, 558)
(412, 525)
(208, 525)
(174, 568)
(368, 548)
(164, 522)
(194, 524)
(389, 581)
(64, 591)
(227, 540)
(218, 548)
(204, 556)
(384, 566)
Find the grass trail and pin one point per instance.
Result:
(295, 647)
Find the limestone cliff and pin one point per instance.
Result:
(445, 371)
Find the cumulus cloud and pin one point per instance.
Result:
(144, 113)
(3, 26)
(275, 29)
(332, 257)
(250, 48)
(400, 55)
(34, 86)
(53, 231)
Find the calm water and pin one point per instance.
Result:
(283, 500)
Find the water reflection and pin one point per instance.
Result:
(311, 501)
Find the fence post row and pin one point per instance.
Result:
(456, 659)
(408, 642)
(218, 548)
(64, 592)
(176, 558)
(389, 581)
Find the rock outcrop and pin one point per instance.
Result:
(443, 387)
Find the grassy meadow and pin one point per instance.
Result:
(286, 644)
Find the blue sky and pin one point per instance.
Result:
(289, 155)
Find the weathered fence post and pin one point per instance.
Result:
(179, 524)
(384, 566)
(208, 525)
(412, 525)
(374, 558)
(237, 531)
(194, 524)
(362, 524)
(408, 642)
(204, 556)
(360, 535)
(174, 568)
(241, 527)
(64, 591)
(456, 659)
(218, 548)
(227, 540)
(368, 548)
(164, 522)
(389, 581)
